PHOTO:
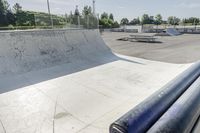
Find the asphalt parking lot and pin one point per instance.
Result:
(172, 49)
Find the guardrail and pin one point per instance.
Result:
(155, 114)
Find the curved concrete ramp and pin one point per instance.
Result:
(70, 82)
(25, 51)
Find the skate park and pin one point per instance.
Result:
(166, 49)
(82, 78)
(79, 83)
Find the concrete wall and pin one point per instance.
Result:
(24, 51)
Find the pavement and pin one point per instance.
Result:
(75, 86)
(171, 49)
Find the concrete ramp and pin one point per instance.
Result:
(172, 32)
(69, 81)
(25, 51)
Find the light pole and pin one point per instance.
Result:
(98, 21)
(50, 17)
(184, 21)
(195, 24)
(94, 7)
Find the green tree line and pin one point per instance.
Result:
(158, 20)
(16, 16)
(107, 21)
(84, 18)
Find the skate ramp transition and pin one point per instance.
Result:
(69, 51)
(25, 51)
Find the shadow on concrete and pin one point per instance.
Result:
(147, 42)
(11, 83)
(128, 39)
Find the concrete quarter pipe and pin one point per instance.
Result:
(69, 81)
(172, 32)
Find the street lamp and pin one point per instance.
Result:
(50, 17)
(93, 2)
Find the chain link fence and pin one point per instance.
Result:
(22, 19)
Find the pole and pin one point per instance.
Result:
(78, 21)
(87, 21)
(35, 20)
(50, 16)
(195, 25)
(184, 21)
(94, 7)
(98, 21)
(174, 21)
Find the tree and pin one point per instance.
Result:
(138, 20)
(104, 15)
(11, 18)
(135, 21)
(158, 19)
(89, 20)
(115, 25)
(192, 20)
(3, 12)
(124, 21)
(107, 21)
(176, 21)
(25, 18)
(71, 16)
(3, 6)
(145, 19)
(87, 10)
(151, 20)
(195, 20)
(67, 18)
(111, 17)
(17, 8)
(172, 20)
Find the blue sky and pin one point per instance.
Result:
(120, 8)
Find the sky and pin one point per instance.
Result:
(120, 8)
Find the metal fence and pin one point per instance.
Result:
(24, 19)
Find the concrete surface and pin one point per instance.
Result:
(80, 92)
(177, 49)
